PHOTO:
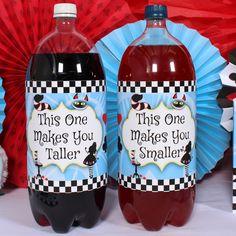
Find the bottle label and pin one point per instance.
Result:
(158, 135)
(66, 123)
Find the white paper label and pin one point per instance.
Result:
(158, 136)
(64, 136)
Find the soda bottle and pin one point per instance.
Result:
(65, 105)
(157, 103)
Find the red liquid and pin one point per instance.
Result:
(138, 60)
(151, 209)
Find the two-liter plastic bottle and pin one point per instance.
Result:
(65, 103)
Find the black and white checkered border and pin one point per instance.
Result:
(73, 186)
(157, 86)
(151, 185)
(84, 86)
(234, 191)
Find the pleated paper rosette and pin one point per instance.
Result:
(23, 24)
(212, 139)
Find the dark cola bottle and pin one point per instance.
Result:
(65, 106)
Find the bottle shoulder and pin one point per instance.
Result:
(58, 42)
(156, 37)
(140, 50)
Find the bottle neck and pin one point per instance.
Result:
(65, 24)
(156, 26)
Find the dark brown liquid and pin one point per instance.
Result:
(154, 210)
(61, 211)
(76, 66)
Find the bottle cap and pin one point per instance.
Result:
(65, 10)
(155, 12)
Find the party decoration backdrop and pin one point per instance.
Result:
(24, 22)
(213, 19)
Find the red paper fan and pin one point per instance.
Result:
(215, 20)
(23, 24)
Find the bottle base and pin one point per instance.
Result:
(154, 210)
(62, 211)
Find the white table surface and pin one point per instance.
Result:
(212, 213)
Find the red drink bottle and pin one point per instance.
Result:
(157, 104)
(65, 103)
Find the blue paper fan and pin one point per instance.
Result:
(212, 139)
(2, 105)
